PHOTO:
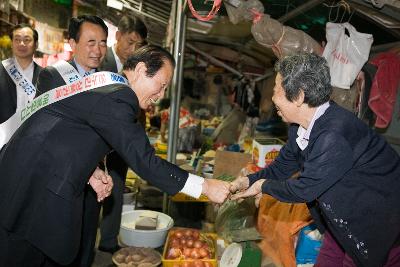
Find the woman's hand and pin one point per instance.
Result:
(239, 184)
(254, 190)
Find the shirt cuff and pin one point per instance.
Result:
(193, 186)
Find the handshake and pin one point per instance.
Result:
(216, 190)
(219, 191)
(101, 183)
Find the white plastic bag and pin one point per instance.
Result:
(346, 54)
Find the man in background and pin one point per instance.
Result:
(24, 44)
(131, 35)
(88, 40)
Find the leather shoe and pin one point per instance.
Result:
(111, 250)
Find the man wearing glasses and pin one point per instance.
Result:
(19, 73)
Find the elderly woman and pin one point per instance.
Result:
(348, 175)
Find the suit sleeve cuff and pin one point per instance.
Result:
(193, 186)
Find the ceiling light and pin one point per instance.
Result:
(115, 4)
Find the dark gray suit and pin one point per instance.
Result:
(42, 187)
(8, 92)
(117, 168)
(49, 79)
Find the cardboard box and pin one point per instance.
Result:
(230, 163)
(265, 150)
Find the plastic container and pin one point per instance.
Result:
(127, 207)
(181, 262)
(307, 249)
(144, 238)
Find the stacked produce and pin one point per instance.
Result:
(190, 248)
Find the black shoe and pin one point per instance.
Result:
(111, 250)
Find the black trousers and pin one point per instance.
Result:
(91, 211)
(18, 252)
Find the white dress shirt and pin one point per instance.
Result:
(28, 71)
(117, 60)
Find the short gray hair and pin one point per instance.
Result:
(307, 72)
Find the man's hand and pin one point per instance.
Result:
(101, 183)
(216, 190)
(254, 190)
(239, 184)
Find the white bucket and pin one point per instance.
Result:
(144, 238)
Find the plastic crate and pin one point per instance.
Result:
(179, 262)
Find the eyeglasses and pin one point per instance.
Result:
(25, 41)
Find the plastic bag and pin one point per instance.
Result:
(345, 53)
(239, 10)
(233, 216)
(282, 39)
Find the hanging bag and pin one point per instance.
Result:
(346, 52)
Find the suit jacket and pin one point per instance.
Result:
(41, 192)
(349, 176)
(8, 92)
(114, 161)
(109, 63)
(49, 79)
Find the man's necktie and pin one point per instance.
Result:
(87, 74)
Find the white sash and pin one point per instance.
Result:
(25, 89)
(90, 82)
(67, 71)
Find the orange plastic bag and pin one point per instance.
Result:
(279, 224)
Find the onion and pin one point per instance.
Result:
(183, 242)
(187, 233)
(198, 244)
(195, 253)
(173, 253)
(203, 252)
(198, 264)
(195, 234)
(178, 234)
(187, 252)
(175, 242)
(190, 243)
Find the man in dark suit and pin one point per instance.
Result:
(88, 40)
(41, 192)
(24, 44)
(131, 35)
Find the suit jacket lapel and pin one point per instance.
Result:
(36, 71)
(109, 63)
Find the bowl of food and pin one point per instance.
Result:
(136, 256)
(144, 228)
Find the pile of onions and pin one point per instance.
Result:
(190, 244)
